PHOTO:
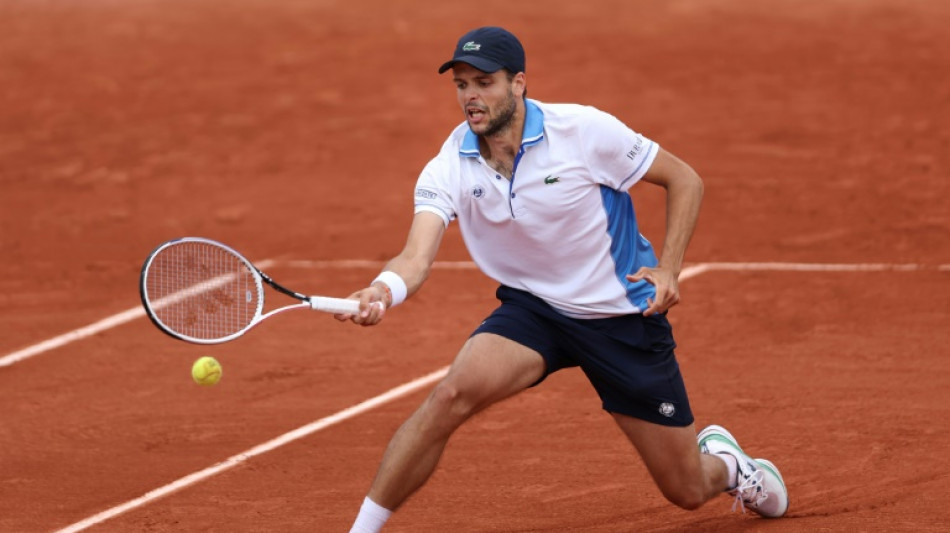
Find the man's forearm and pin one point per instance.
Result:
(684, 197)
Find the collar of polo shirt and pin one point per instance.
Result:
(533, 131)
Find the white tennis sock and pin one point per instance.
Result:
(732, 465)
(372, 517)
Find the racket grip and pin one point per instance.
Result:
(334, 305)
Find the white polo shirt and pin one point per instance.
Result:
(563, 228)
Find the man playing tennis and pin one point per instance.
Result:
(539, 192)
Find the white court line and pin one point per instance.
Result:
(811, 267)
(398, 392)
(360, 263)
(703, 267)
(341, 263)
(136, 312)
(87, 331)
(235, 460)
(75, 335)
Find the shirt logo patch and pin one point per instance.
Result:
(471, 46)
(551, 180)
(478, 192)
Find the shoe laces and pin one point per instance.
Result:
(751, 490)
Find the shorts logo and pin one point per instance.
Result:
(423, 193)
(667, 409)
(478, 192)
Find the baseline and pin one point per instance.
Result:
(136, 312)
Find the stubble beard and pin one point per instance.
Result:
(505, 116)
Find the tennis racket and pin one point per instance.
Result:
(205, 292)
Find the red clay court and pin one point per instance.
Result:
(815, 319)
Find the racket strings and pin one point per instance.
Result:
(202, 291)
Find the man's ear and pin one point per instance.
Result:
(519, 84)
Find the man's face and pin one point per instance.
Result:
(488, 100)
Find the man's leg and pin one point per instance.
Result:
(488, 369)
(689, 478)
(685, 476)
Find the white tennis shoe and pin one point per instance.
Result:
(759, 486)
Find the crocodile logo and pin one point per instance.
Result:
(551, 180)
(471, 46)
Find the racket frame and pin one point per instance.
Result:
(316, 303)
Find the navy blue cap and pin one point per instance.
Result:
(488, 49)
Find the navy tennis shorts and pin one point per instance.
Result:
(628, 359)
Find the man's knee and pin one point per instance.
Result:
(450, 403)
(686, 497)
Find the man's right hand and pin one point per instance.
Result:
(372, 306)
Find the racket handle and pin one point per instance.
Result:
(334, 305)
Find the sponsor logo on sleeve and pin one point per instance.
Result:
(426, 194)
(637, 148)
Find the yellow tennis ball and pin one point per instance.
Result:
(206, 371)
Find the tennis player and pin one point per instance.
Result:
(540, 194)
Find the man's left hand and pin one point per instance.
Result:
(667, 288)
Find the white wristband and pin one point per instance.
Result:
(396, 285)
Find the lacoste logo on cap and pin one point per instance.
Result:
(471, 46)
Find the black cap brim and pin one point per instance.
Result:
(481, 63)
